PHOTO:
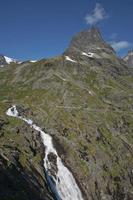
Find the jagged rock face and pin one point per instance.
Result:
(129, 58)
(2, 60)
(89, 46)
(89, 41)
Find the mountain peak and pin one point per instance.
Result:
(94, 33)
(4, 60)
(88, 40)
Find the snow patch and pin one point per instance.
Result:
(33, 61)
(10, 60)
(91, 55)
(69, 59)
(91, 93)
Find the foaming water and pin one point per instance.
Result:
(60, 179)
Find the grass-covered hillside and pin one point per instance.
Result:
(87, 108)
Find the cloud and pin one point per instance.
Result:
(120, 45)
(97, 15)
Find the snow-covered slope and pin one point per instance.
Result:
(10, 60)
(4, 60)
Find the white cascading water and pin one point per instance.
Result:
(60, 179)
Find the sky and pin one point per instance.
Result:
(35, 29)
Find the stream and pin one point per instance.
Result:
(60, 179)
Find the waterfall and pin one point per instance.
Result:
(60, 179)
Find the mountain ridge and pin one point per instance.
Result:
(88, 41)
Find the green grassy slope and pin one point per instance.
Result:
(86, 109)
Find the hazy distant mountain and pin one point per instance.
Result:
(83, 100)
(129, 58)
(4, 60)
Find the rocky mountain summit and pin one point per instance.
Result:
(89, 41)
(83, 100)
(89, 46)
(129, 58)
